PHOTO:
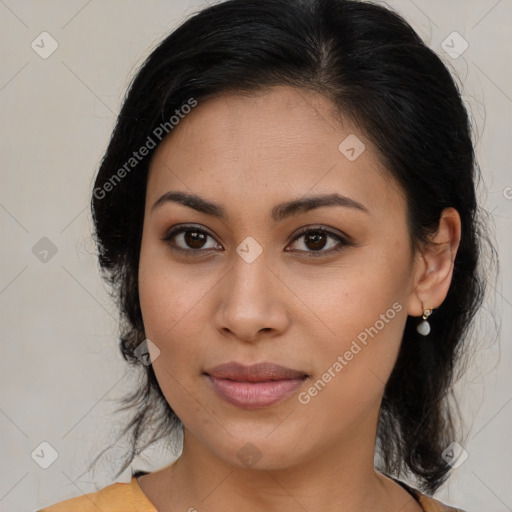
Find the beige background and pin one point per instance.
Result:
(60, 370)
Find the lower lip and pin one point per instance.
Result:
(255, 395)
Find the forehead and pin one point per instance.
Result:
(229, 125)
(276, 143)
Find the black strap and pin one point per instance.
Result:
(138, 473)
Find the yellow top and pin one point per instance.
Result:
(128, 497)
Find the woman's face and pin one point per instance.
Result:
(249, 287)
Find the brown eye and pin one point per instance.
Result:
(316, 240)
(194, 239)
(189, 239)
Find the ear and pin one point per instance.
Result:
(434, 265)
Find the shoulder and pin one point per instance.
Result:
(428, 504)
(432, 505)
(117, 497)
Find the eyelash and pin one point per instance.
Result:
(313, 254)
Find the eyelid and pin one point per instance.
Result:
(342, 238)
(183, 228)
(336, 233)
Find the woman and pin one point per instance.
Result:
(287, 212)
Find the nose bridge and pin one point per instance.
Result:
(250, 275)
(251, 301)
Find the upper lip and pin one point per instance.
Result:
(254, 373)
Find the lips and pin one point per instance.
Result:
(258, 372)
(254, 386)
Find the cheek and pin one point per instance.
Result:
(353, 296)
(353, 368)
(167, 301)
(169, 313)
(166, 291)
(364, 307)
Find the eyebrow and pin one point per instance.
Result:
(278, 213)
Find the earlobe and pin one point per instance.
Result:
(435, 265)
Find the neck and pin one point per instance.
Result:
(340, 479)
(211, 484)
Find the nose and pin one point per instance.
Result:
(252, 302)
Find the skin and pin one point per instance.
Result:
(248, 153)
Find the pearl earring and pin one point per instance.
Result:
(423, 327)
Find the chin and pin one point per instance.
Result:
(256, 452)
